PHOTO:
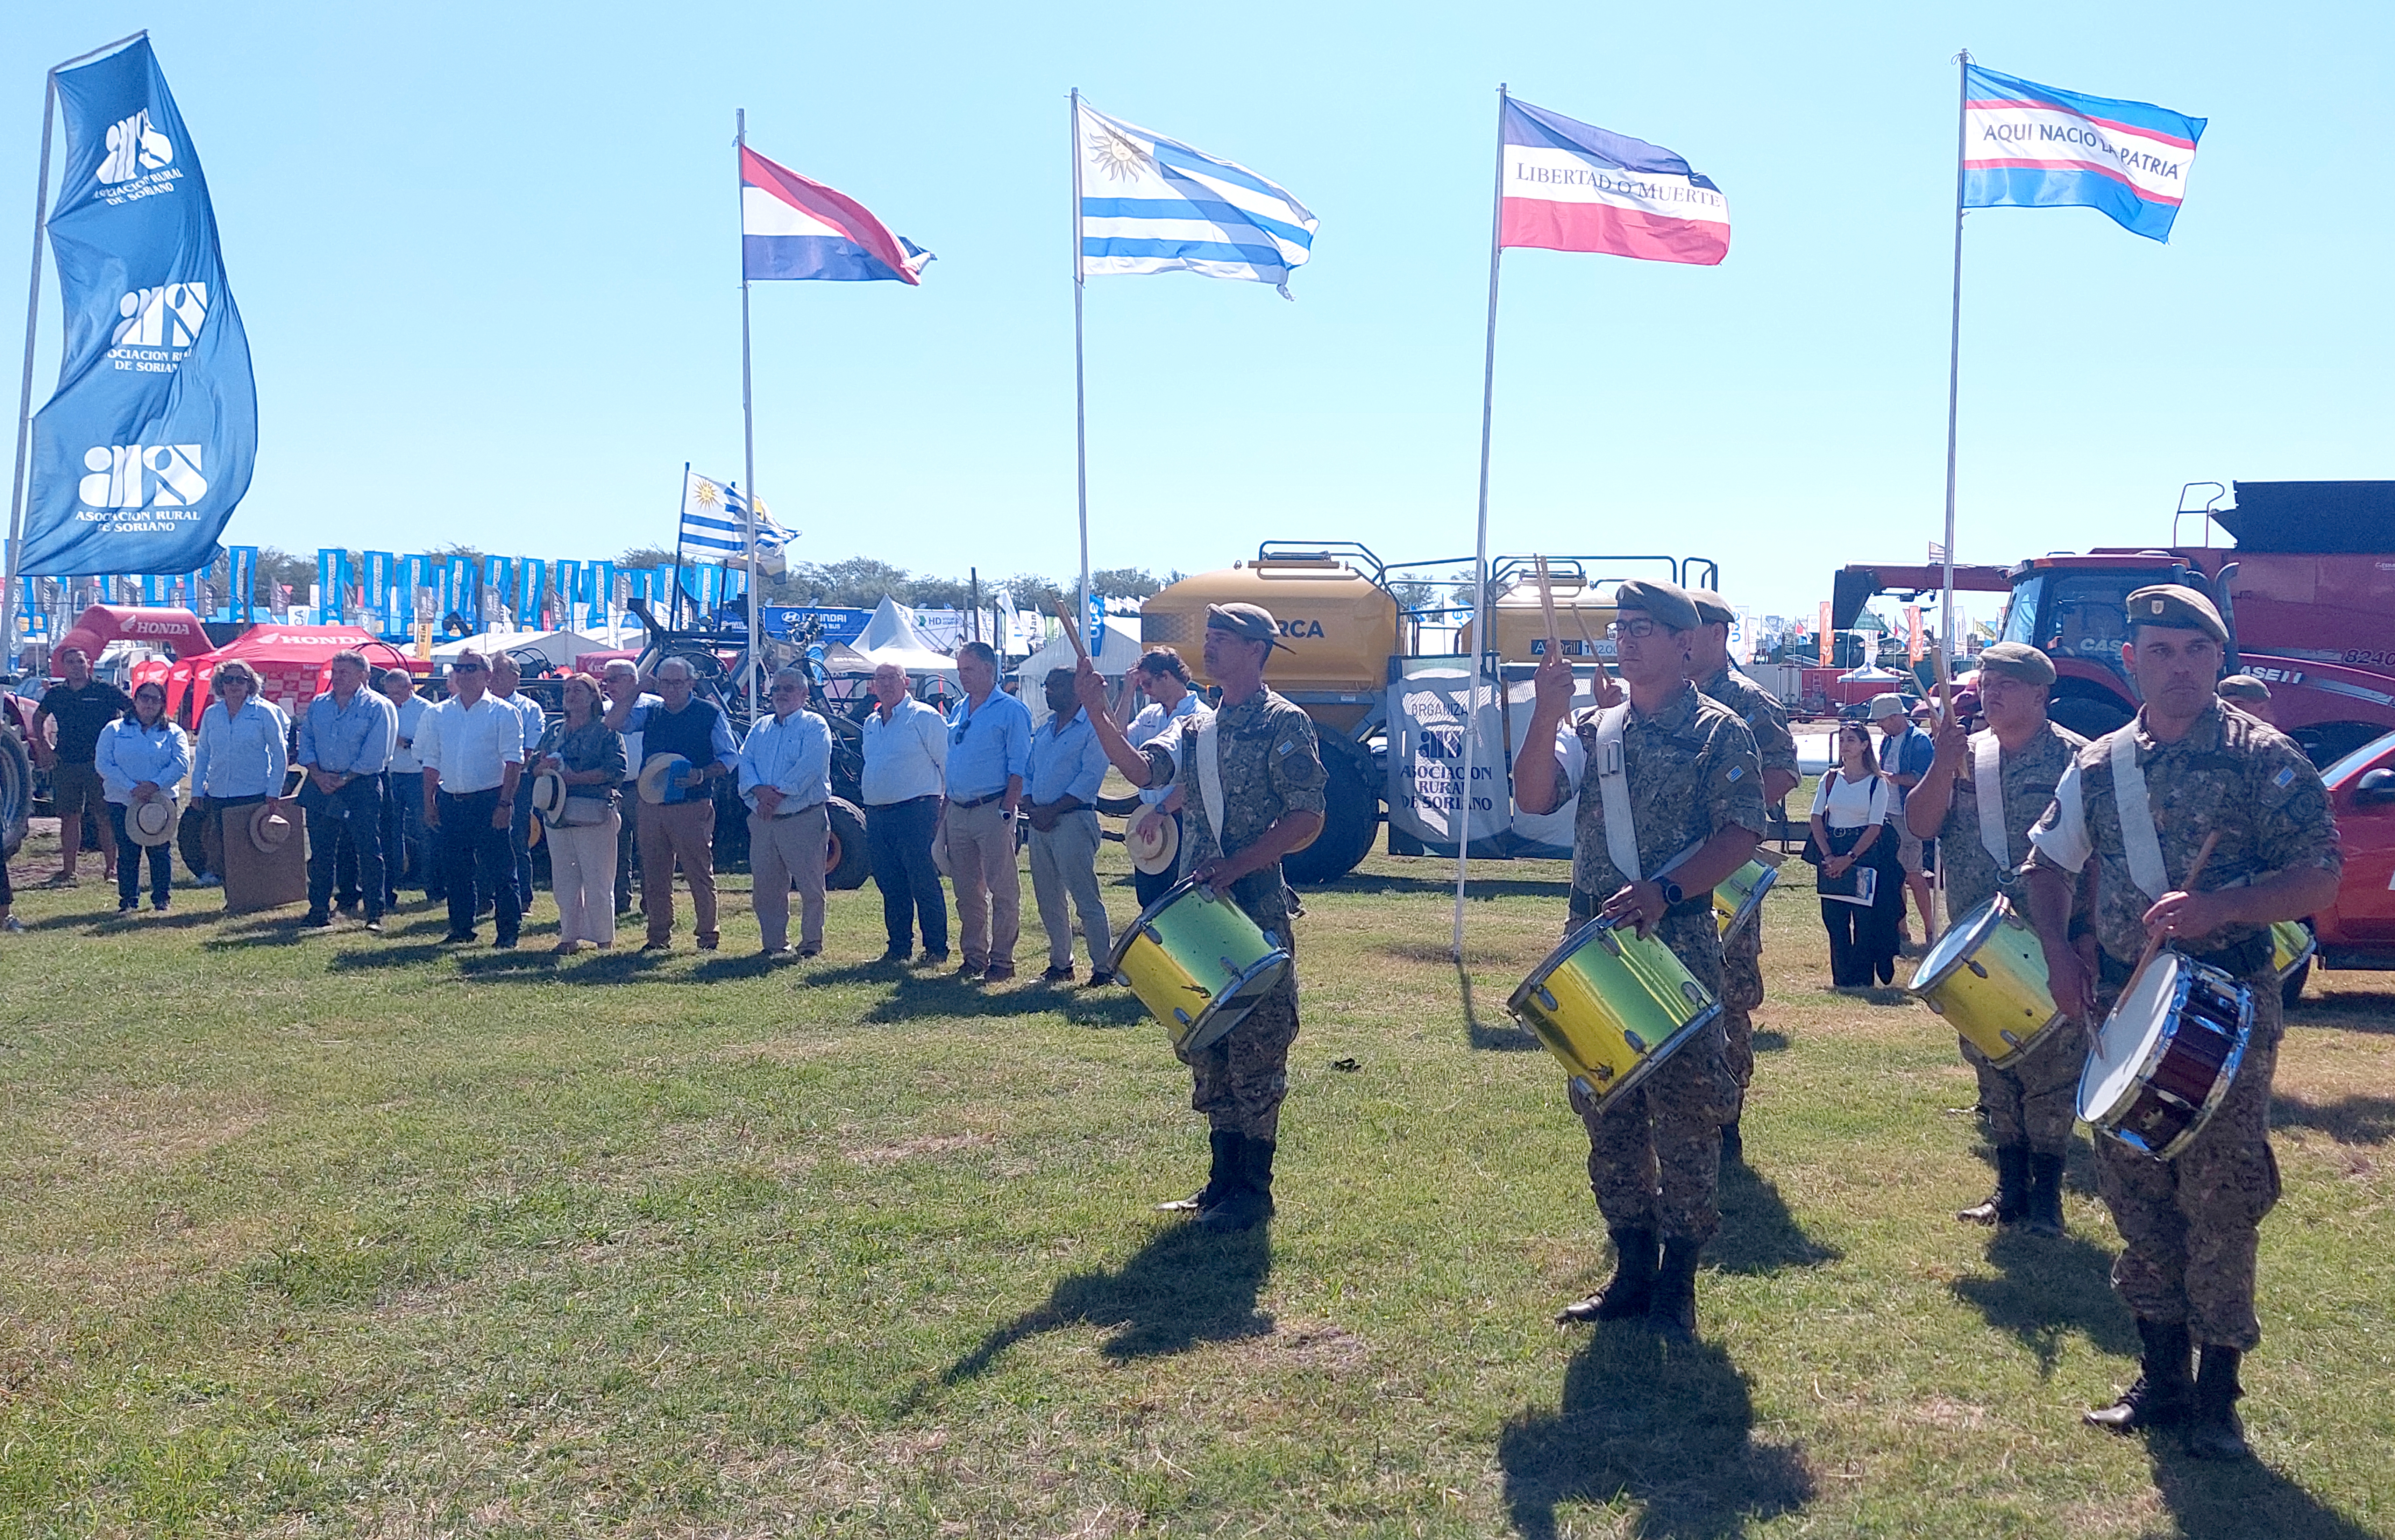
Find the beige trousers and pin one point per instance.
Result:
(989, 887)
(779, 850)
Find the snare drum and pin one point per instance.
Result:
(1611, 1005)
(1199, 962)
(2166, 1055)
(2291, 943)
(1739, 899)
(1986, 976)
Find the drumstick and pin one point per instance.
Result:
(1547, 608)
(1072, 631)
(2154, 943)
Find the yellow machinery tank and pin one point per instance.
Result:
(1583, 613)
(1339, 628)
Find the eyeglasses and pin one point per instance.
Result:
(466, 667)
(1631, 630)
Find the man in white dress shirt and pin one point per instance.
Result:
(472, 750)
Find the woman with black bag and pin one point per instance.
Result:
(1860, 897)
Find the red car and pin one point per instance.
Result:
(2359, 929)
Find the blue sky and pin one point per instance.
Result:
(487, 256)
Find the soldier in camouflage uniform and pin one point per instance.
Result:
(2189, 1225)
(1272, 780)
(2032, 1102)
(1718, 681)
(1689, 769)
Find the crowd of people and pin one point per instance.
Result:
(1668, 774)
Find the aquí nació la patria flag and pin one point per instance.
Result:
(2031, 146)
(1570, 186)
(142, 455)
(1153, 205)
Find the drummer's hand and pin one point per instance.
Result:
(1952, 741)
(1606, 689)
(1552, 683)
(1089, 689)
(2068, 977)
(2177, 915)
(1641, 904)
(1218, 875)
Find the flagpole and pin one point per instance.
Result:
(748, 431)
(1080, 404)
(1954, 360)
(25, 390)
(1480, 551)
(673, 609)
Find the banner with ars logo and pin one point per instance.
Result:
(146, 448)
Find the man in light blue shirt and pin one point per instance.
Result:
(239, 759)
(506, 674)
(345, 743)
(1068, 763)
(989, 749)
(786, 779)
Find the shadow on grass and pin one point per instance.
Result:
(1758, 1233)
(1186, 1286)
(917, 997)
(2352, 1120)
(1771, 1042)
(2232, 1501)
(2048, 1289)
(1671, 1430)
(1370, 884)
(1506, 1036)
(2374, 1013)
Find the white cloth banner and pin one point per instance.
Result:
(1426, 756)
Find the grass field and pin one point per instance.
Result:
(330, 1235)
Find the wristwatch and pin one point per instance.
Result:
(1672, 895)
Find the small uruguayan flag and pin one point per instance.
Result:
(715, 521)
(1151, 205)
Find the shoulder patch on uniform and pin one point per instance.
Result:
(1285, 745)
(2286, 773)
(1737, 771)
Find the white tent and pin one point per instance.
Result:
(1117, 655)
(891, 636)
(560, 648)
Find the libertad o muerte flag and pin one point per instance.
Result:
(1572, 187)
(2031, 146)
(791, 228)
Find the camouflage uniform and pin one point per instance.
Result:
(1742, 954)
(1654, 1152)
(2033, 1100)
(1270, 766)
(2189, 1225)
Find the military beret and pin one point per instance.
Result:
(2018, 659)
(1711, 610)
(1246, 622)
(1667, 604)
(2178, 608)
(2243, 687)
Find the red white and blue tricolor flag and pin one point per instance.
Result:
(2030, 146)
(1570, 187)
(792, 228)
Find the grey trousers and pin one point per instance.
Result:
(1064, 861)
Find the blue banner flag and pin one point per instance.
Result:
(2031, 146)
(145, 449)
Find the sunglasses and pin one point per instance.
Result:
(466, 668)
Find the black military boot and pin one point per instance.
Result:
(2163, 1394)
(2045, 1195)
(1630, 1290)
(1220, 1179)
(1672, 1314)
(2215, 1433)
(1248, 1202)
(2009, 1204)
(1733, 1151)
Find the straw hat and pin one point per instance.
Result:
(548, 794)
(269, 829)
(1153, 840)
(153, 822)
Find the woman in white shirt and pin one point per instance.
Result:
(1850, 814)
(1164, 679)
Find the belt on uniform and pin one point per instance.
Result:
(971, 803)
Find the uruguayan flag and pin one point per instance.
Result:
(1150, 205)
(715, 521)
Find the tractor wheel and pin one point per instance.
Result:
(2091, 717)
(16, 792)
(1350, 820)
(846, 864)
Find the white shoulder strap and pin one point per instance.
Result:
(1605, 762)
(2140, 841)
(1988, 787)
(1210, 779)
